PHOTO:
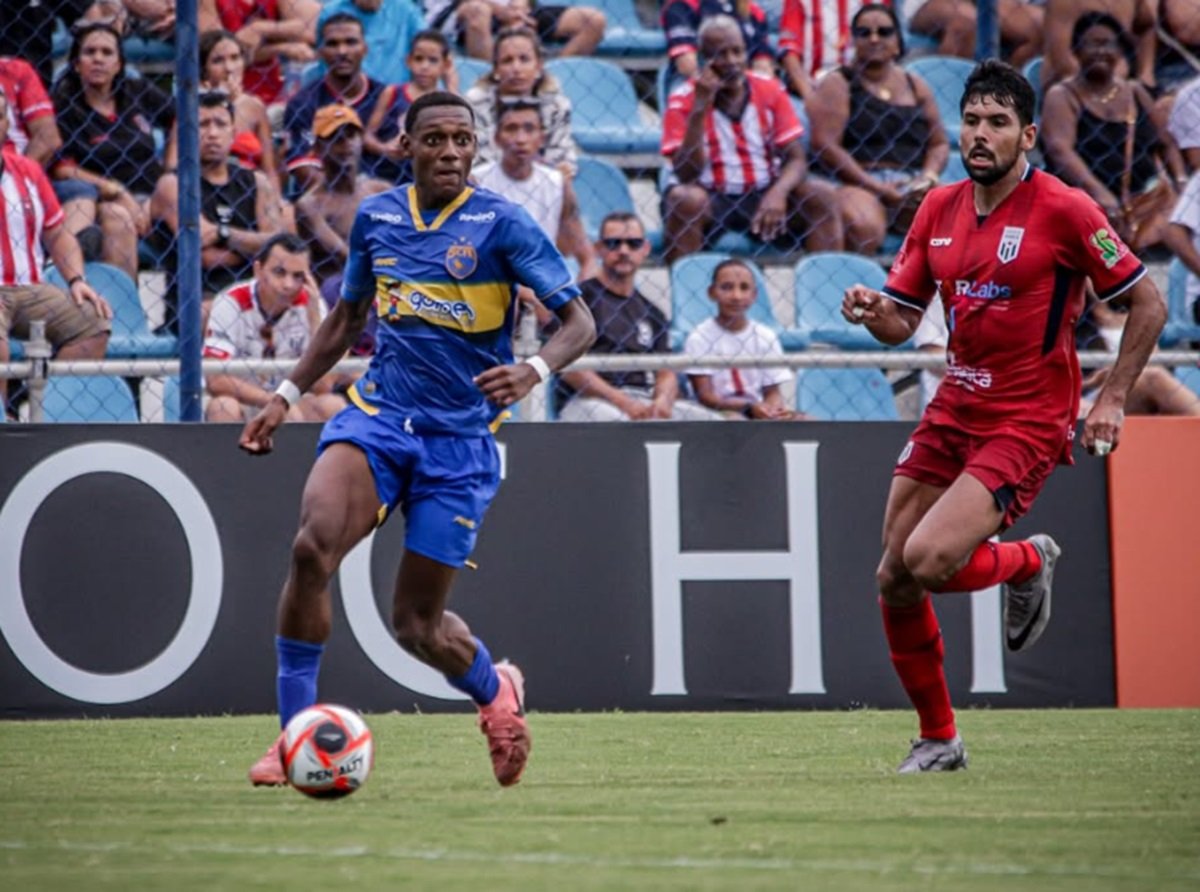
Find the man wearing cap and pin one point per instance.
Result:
(239, 208)
(326, 212)
(342, 47)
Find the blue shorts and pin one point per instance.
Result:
(442, 483)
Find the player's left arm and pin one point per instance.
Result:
(1147, 315)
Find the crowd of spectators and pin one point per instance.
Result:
(802, 130)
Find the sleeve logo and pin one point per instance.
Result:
(1108, 246)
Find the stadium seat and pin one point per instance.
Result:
(821, 280)
(1180, 324)
(131, 335)
(841, 394)
(955, 170)
(602, 188)
(946, 76)
(625, 35)
(1033, 74)
(469, 71)
(605, 117)
(691, 305)
(1189, 375)
(665, 81)
(88, 398)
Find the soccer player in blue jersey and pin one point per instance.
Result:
(441, 261)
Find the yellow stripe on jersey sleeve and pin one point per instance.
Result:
(468, 307)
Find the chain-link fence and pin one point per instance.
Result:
(797, 138)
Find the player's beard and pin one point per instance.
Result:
(992, 175)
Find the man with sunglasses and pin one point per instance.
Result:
(626, 322)
(272, 316)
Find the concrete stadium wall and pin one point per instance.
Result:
(631, 566)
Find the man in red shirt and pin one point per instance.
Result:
(1009, 251)
(737, 162)
(31, 124)
(30, 218)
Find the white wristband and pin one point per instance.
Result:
(539, 365)
(289, 391)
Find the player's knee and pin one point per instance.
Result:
(312, 556)
(896, 585)
(928, 563)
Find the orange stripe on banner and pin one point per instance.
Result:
(1154, 494)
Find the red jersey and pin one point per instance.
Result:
(262, 79)
(817, 32)
(28, 208)
(27, 99)
(743, 153)
(1012, 286)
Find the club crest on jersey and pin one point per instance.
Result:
(1010, 243)
(461, 259)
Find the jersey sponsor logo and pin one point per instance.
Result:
(1010, 243)
(965, 375)
(1110, 248)
(482, 217)
(424, 305)
(386, 218)
(461, 260)
(988, 290)
(387, 261)
(940, 242)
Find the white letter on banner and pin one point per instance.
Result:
(987, 656)
(671, 567)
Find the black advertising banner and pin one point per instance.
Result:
(635, 566)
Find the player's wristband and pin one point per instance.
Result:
(540, 366)
(289, 391)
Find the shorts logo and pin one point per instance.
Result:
(905, 453)
(1010, 243)
(1109, 248)
(461, 260)
(465, 522)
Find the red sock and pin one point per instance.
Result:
(916, 645)
(994, 562)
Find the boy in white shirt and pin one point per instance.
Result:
(751, 392)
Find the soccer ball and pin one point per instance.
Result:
(327, 751)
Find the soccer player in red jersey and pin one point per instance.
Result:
(1009, 251)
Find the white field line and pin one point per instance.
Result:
(563, 859)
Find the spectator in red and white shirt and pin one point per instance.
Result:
(271, 31)
(273, 316)
(814, 37)
(31, 220)
(31, 125)
(737, 163)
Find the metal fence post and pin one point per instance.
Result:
(38, 350)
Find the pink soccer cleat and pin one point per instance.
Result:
(269, 771)
(503, 723)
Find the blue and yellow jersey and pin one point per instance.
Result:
(445, 289)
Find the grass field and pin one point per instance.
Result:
(1085, 800)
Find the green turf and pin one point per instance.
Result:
(1084, 800)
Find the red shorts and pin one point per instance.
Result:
(1014, 469)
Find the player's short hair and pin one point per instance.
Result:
(215, 99)
(1000, 81)
(726, 264)
(431, 100)
(293, 244)
(508, 104)
(431, 35)
(340, 18)
(621, 217)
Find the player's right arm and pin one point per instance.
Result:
(888, 321)
(329, 343)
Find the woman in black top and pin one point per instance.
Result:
(876, 130)
(1098, 134)
(107, 120)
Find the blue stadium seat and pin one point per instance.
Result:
(839, 394)
(604, 107)
(1033, 74)
(469, 71)
(1180, 326)
(89, 398)
(946, 76)
(625, 35)
(602, 188)
(665, 81)
(691, 305)
(1189, 375)
(821, 280)
(131, 335)
(955, 169)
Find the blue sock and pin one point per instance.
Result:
(296, 676)
(480, 681)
